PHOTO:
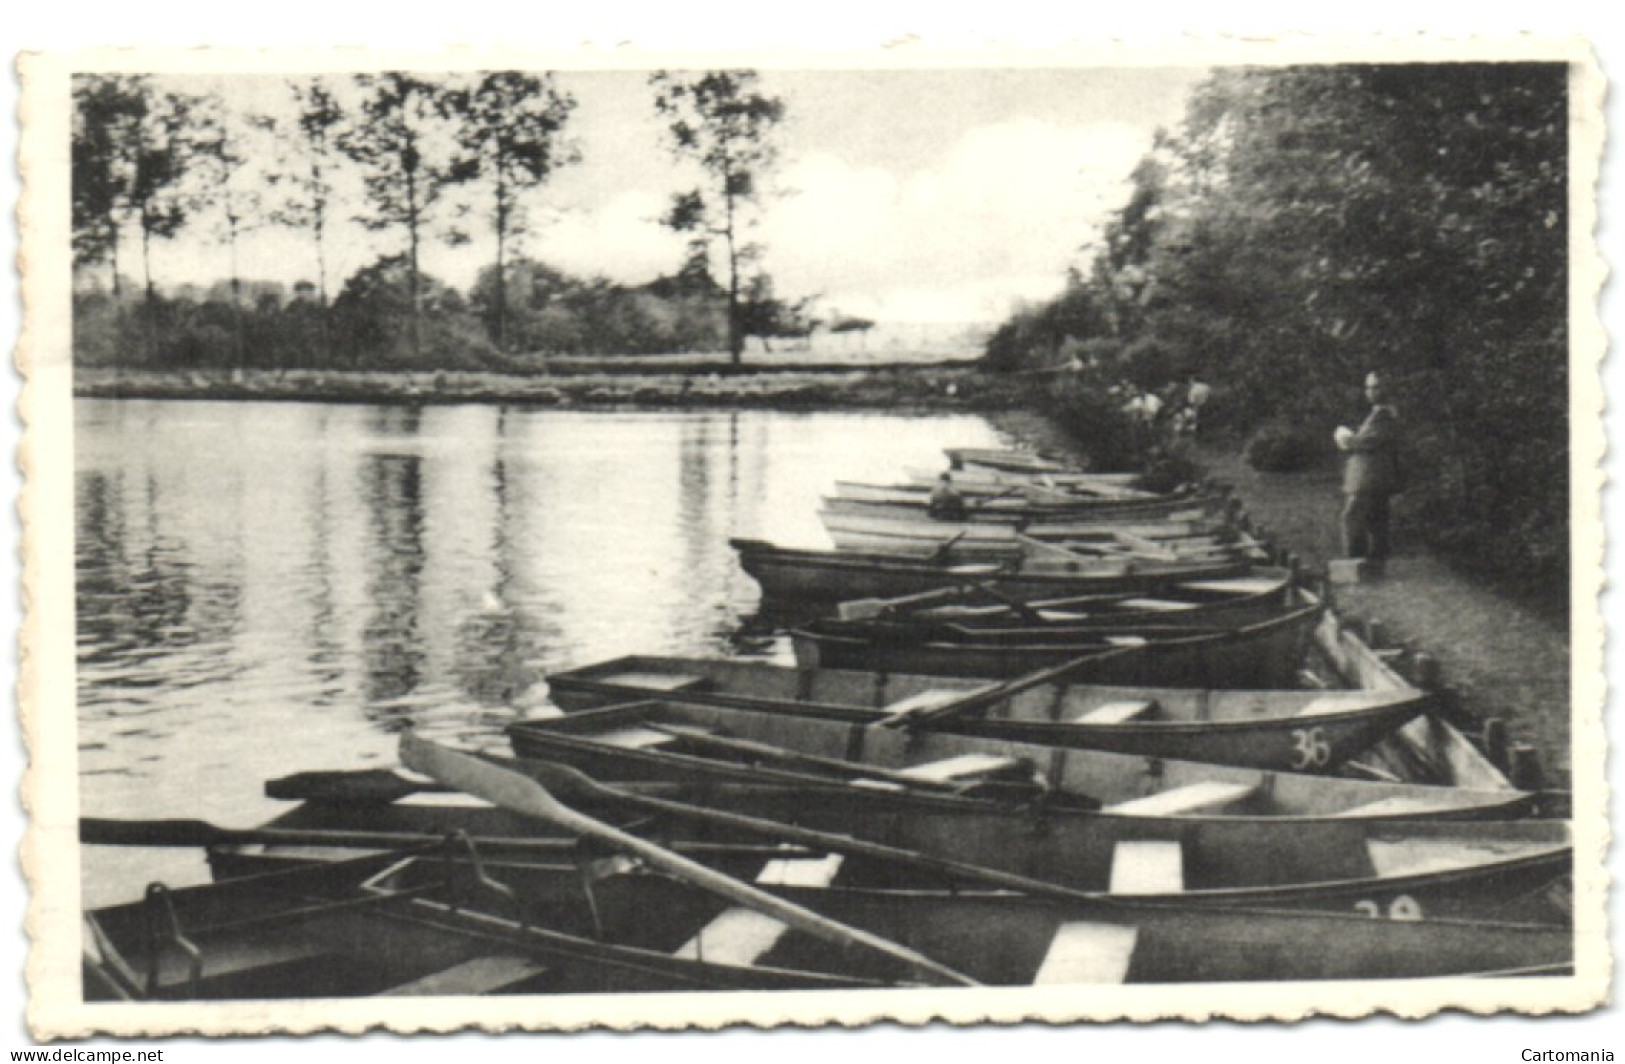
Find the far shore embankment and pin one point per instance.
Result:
(934, 386)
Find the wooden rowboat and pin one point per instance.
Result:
(791, 574)
(1428, 749)
(982, 480)
(1260, 594)
(1006, 940)
(885, 530)
(855, 498)
(433, 925)
(690, 743)
(1005, 459)
(985, 495)
(1515, 870)
(384, 925)
(1266, 653)
(1309, 731)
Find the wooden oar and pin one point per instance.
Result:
(979, 503)
(1065, 553)
(984, 696)
(1017, 605)
(578, 786)
(850, 770)
(522, 794)
(863, 609)
(192, 834)
(943, 550)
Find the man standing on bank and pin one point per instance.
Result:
(1371, 476)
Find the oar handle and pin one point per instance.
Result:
(95, 831)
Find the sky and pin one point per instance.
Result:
(900, 195)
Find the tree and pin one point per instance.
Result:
(306, 183)
(849, 323)
(767, 317)
(232, 167)
(1307, 224)
(512, 131)
(718, 120)
(107, 116)
(401, 143)
(140, 152)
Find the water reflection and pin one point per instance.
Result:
(393, 654)
(266, 588)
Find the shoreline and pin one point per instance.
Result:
(936, 387)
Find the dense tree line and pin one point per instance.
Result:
(1306, 225)
(430, 152)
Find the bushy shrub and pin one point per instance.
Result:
(1285, 448)
(1095, 418)
(1166, 471)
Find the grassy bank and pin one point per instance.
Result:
(950, 386)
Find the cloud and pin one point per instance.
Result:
(622, 240)
(1008, 204)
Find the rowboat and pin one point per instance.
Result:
(1039, 485)
(1267, 653)
(384, 925)
(1428, 749)
(1260, 594)
(786, 573)
(1005, 459)
(1004, 506)
(689, 743)
(437, 925)
(1512, 870)
(808, 905)
(882, 530)
(1306, 731)
(984, 494)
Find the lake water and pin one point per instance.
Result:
(265, 588)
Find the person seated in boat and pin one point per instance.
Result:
(946, 504)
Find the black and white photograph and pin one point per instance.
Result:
(584, 540)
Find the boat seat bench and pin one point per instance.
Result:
(923, 700)
(1148, 866)
(478, 975)
(1084, 952)
(743, 936)
(1206, 797)
(1119, 712)
(966, 767)
(635, 738)
(655, 681)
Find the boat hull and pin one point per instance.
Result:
(1264, 654)
(786, 574)
(1514, 871)
(1288, 731)
(635, 742)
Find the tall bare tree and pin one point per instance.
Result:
(232, 158)
(405, 151)
(511, 130)
(306, 181)
(720, 120)
(107, 116)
